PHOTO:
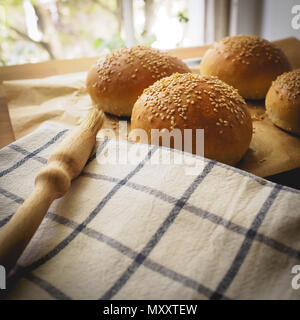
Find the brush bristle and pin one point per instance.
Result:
(93, 120)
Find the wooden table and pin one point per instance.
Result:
(291, 46)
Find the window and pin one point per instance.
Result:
(32, 31)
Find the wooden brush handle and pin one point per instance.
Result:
(51, 183)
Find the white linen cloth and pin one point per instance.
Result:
(149, 231)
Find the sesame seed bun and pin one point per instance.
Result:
(283, 101)
(117, 80)
(191, 101)
(248, 63)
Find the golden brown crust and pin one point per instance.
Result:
(248, 63)
(283, 101)
(190, 101)
(117, 80)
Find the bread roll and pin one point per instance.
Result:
(248, 63)
(283, 101)
(191, 101)
(117, 80)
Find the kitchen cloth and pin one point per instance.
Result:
(146, 222)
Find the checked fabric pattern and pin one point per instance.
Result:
(146, 231)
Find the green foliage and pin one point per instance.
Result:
(147, 40)
(115, 42)
(98, 43)
(78, 28)
(11, 2)
(182, 16)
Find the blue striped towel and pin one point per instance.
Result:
(148, 231)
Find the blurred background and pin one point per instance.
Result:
(39, 30)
